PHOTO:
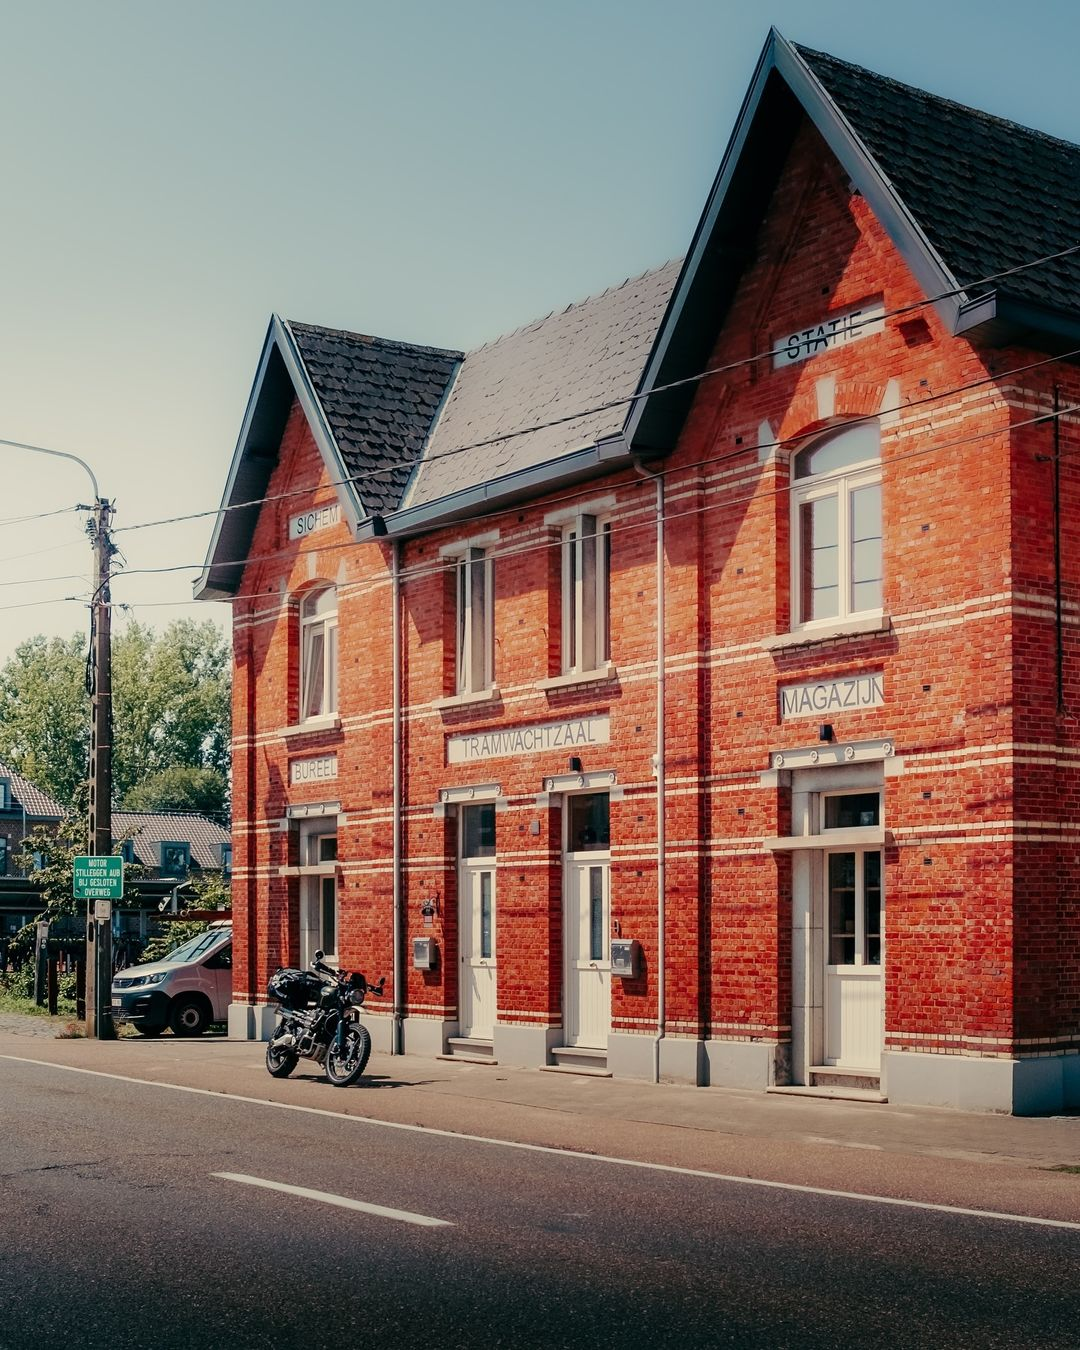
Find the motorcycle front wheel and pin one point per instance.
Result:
(280, 1062)
(345, 1065)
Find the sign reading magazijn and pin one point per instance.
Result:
(98, 878)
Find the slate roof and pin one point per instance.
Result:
(379, 398)
(580, 357)
(988, 193)
(148, 829)
(25, 795)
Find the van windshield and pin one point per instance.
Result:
(195, 947)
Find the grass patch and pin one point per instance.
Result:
(13, 1003)
(1074, 1168)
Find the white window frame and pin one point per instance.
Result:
(841, 484)
(585, 578)
(474, 622)
(315, 871)
(312, 625)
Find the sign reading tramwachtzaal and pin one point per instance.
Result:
(531, 740)
(829, 696)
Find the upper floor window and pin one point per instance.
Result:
(836, 526)
(586, 564)
(474, 626)
(318, 654)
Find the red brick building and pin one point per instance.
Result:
(718, 728)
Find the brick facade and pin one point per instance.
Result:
(973, 753)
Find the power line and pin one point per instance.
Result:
(608, 406)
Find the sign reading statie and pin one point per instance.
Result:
(98, 878)
(835, 331)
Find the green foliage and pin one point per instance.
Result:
(45, 714)
(181, 787)
(171, 706)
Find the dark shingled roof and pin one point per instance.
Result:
(989, 194)
(148, 829)
(25, 796)
(379, 398)
(576, 360)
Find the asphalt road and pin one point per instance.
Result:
(123, 1225)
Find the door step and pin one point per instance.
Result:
(838, 1076)
(845, 1094)
(469, 1050)
(579, 1059)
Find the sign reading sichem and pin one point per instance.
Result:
(829, 696)
(308, 522)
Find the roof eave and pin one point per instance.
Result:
(498, 493)
(247, 480)
(958, 311)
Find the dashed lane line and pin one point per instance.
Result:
(564, 1153)
(342, 1201)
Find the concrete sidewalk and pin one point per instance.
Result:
(471, 1098)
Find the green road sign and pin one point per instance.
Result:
(100, 878)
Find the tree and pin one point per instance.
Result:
(181, 787)
(171, 706)
(45, 714)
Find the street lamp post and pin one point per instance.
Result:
(99, 686)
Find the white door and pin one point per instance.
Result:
(853, 981)
(477, 983)
(587, 987)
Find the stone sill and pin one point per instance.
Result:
(313, 726)
(466, 700)
(868, 626)
(575, 677)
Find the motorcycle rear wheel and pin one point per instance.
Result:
(280, 1062)
(345, 1066)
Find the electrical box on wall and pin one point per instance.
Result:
(425, 953)
(625, 958)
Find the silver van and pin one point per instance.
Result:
(187, 990)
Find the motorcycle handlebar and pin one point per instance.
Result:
(324, 969)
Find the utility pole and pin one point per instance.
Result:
(99, 1022)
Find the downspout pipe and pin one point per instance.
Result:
(661, 780)
(397, 1035)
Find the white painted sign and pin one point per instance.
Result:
(835, 331)
(829, 696)
(313, 770)
(308, 522)
(572, 735)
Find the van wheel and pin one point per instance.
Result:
(189, 1017)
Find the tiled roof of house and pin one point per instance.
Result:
(579, 358)
(25, 796)
(148, 829)
(379, 398)
(988, 193)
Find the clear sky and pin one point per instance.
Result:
(439, 172)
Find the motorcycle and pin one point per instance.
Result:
(320, 1020)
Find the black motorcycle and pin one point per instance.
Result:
(320, 1020)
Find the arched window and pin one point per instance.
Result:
(836, 526)
(318, 654)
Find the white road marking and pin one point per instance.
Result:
(342, 1201)
(565, 1152)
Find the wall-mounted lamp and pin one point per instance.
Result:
(573, 764)
(825, 732)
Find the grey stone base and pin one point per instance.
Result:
(251, 1022)
(630, 1055)
(426, 1036)
(1021, 1087)
(741, 1064)
(524, 1047)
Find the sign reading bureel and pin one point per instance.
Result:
(834, 331)
(98, 878)
(829, 696)
(309, 522)
(315, 770)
